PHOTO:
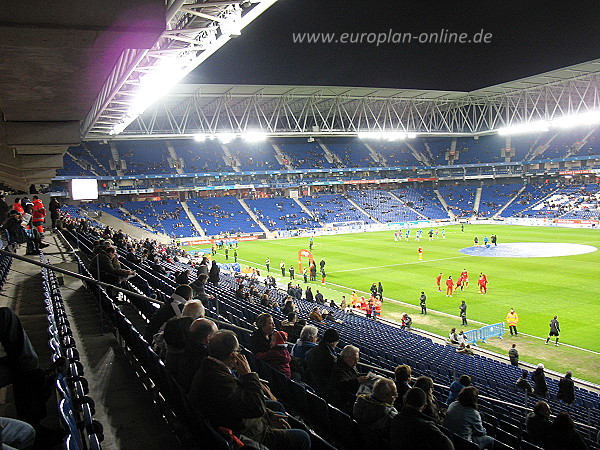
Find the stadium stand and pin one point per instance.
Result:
(207, 156)
(502, 406)
(254, 156)
(422, 200)
(494, 197)
(485, 149)
(222, 215)
(329, 208)
(281, 213)
(351, 152)
(146, 157)
(303, 155)
(383, 206)
(460, 199)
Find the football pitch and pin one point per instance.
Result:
(536, 287)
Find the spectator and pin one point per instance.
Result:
(453, 337)
(20, 235)
(4, 209)
(456, 386)
(513, 355)
(345, 378)
(176, 334)
(540, 387)
(238, 402)
(320, 360)
(411, 429)
(290, 327)
(105, 265)
(523, 384)
(278, 355)
(196, 349)
(316, 315)
(563, 435)
(431, 408)
(173, 308)
(538, 423)
(307, 340)
(32, 385)
(402, 379)
(463, 419)
(374, 412)
(406, 321)
(260, 341)
(566, 388)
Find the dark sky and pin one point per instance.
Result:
(528, 38)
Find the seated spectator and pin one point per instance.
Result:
(278, 355)
(402, 378)
(462, 340)
(345, 379)
(201, 332)
(465, 349)
(16, 434)
(105, 265)
(176, 333)
(173, 308)
(290, 327)
(32, 385)
(522, 383)
(406, 321)
(374, 412)
(463, 419)
(566, 388)
(183, 277)
(20, 235)
(453, 337)
(316, 315)
(288, 306)
(320, 360)
(238, 402)
(199, 290)
(132, 257)
(194, 309)
(431, 408)
(538, 423)
(307, 340)
(563, 435)
(456, 386)
(411, 429)
(260, 341)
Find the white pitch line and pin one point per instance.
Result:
(400, 264)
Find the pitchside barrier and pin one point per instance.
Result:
(495, 330)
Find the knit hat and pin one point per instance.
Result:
(280, 338)
(331, 335)
(540, 366)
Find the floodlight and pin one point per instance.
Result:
(412, 135)
(393, 135)
(226, 138)
(369, 135)
(254, 136)
(531, 127)
(200, 137)
(575, 120)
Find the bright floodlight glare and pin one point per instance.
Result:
(254, 136)
(576, 120)
(393, 135)
(411, 135)
(226, 138)
(530, 127)
(199, 137)
(369, 135)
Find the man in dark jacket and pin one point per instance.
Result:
(238, 402)
(566, 388)
(538, 423)
(19, 235)
(170, 309)
(414, 430)
(345, 378)
(320, 361)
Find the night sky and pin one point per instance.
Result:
(527, 38)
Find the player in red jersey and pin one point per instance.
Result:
(459, 283)
(465, 276)
(438, 281)
(482, 284)
(449, 286)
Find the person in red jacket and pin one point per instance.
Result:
(17, 206)
(278, 355)
(449, 286)
(465, 276)
(438, 281)
(39, 214)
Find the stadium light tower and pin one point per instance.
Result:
(194, 31)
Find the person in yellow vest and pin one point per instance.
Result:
(353, 299)
(513, 320)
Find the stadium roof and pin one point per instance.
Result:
(345, 111)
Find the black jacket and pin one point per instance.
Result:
(411, 429)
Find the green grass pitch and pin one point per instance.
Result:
(538, 288)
